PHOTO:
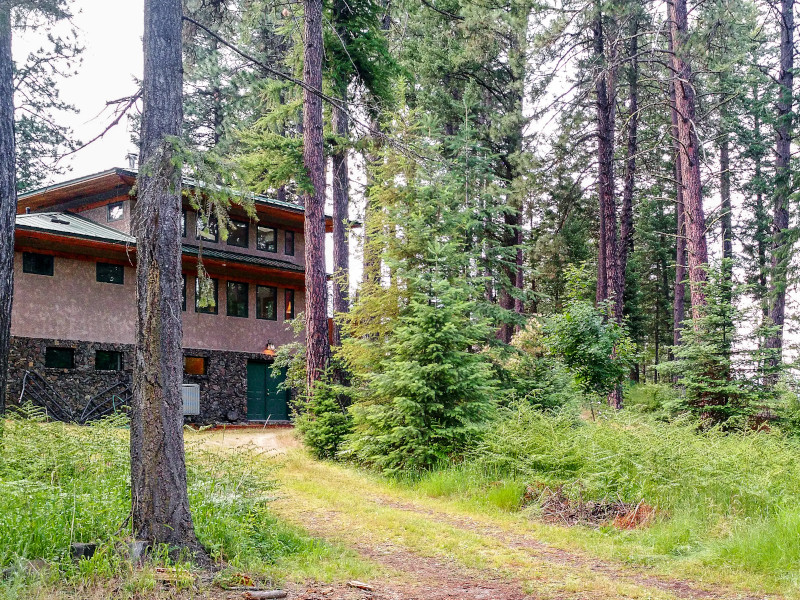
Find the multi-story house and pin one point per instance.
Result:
(74, 313)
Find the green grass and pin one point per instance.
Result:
(725, 500)
(61, 484)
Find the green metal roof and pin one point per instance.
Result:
(261, 261)
(72, 225)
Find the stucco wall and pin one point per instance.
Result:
(72, 305)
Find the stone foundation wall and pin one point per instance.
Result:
(223, 389)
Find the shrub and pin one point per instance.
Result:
(324, 421)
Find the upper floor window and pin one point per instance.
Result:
(205, 300)
(108, 273)
(59, 358)
(183, 223)
(237, 299)
(38, 264)
(183, 292)
(288, 243)
(289, 305)
(267, 302)
(267, 239)
(116, 211)
(239, 234)
(207, 229)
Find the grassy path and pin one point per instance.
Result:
(435, 549)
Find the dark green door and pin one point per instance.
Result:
(264, 399)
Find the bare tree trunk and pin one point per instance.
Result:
(679, 295)
(8, 193)
(626, 218)
(781, 244)
(317, 345)
(341, 205)
(695, 221)
(160, 501)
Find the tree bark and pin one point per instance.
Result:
(8, 193)
(679, 294)
(781, 243)
(317, 345)
(609, 282)
(160, 501)
(341, 205)
(626, 217)
(695, 222)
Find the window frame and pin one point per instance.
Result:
(275, 299)
(111, 206)
(288, 304)
(288, 248)
(102, 265)
(266, 248)
(207, 310)
(31, 269)
(204, 360)
(120, 359)
(59, 349)
(228, 285)
(213, 228)
(237, 223)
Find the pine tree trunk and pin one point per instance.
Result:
(626, 217)
(609, 281)
(781, 244)
(679, 294)
(341, 204)
(8, 193)
(160, 501)
(317, 345)
(695, 222)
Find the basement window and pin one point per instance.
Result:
(195, 365)
(59, 358)
(108, 273)
(37, 264)
(116, 211)
(107, 360)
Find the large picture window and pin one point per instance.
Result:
(205, 301)
(108, 273)
(237, 299)
(37, 264)
(267, 239)
(267, 302)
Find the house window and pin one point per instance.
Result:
(267, 239)
(38, 264)
(195, 365)
(288, 243)
(207, 229)
(239, 234)
(59, 358)
(183, 292)
(267, 303)
(205, 300)
(289, 305)
(237, 299)
(107, 360)
(183, 223)
(108, 273)
(116, 211)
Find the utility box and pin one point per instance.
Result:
(191, 399)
